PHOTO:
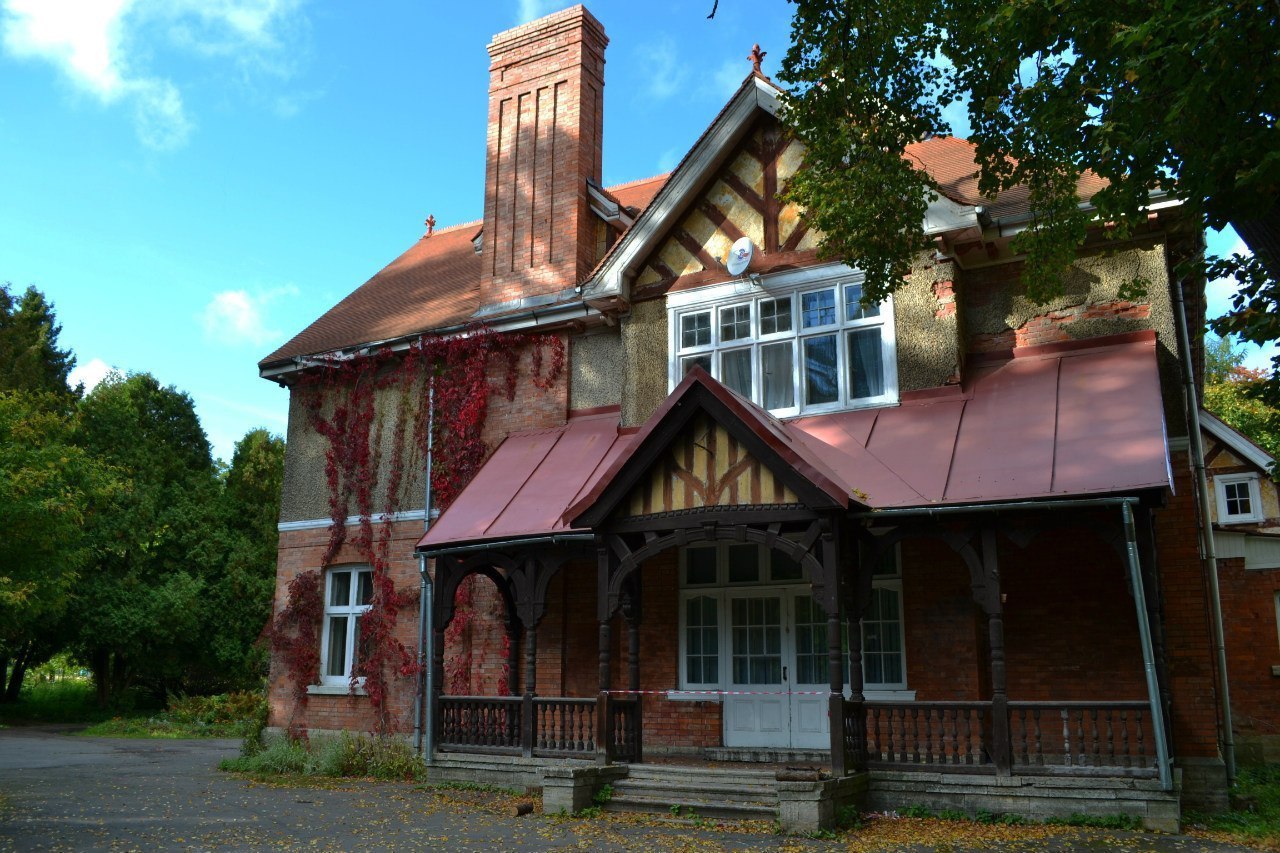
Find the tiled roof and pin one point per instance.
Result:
(950, 162)
(435, 284)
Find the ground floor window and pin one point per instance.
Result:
(747, 619)
(347, 594)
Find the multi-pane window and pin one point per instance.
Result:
(1238, 498)
(747, 615)
(347, 596)
(702, 640)
(817, 348)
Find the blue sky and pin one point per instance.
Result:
(193, 181)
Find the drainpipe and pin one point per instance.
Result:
(1148, 652)
(1207, 548)
(424, 733)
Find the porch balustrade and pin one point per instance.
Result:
(1108, 736)
(556, 726)
(940, 734)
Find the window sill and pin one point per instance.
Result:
(343, 689)
(677, 696)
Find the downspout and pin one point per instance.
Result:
(424, 733)
(1148, 652)
(1207, 548)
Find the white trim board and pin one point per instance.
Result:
(1259, 552)
(1239, 445)
(352, 520)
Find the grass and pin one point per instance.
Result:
(1255, 815)
(224, 715)
(67, 700)
(342, 756)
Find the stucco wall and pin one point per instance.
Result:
(927, 327)
(595, 370)
(305, 495)
(644, 349)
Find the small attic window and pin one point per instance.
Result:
(477, 242)
(1239, 500)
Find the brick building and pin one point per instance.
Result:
(944, 547)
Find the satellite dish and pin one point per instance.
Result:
(740, 256)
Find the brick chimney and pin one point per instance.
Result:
(546, 117)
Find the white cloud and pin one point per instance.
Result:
(725, 80)
(236, 317)
(666, 74)
(90, 374)
(670, 159)
(103, 48)
(532, 9)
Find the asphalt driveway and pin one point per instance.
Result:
(63, 792)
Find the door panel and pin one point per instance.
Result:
(810, 726)
(756, 667)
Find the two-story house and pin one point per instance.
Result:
(943, 548)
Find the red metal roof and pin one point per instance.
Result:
(529, 481)
(1049, 422)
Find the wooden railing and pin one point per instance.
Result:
(480, 723)
(938, 734)
(564, 726)
(625, 728)
(1105, 735)
(540, 726)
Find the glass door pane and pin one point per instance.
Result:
(757, 640)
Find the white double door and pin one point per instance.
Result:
(778, 681)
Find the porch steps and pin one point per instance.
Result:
(733, 793)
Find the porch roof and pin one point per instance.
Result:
(1050, 422)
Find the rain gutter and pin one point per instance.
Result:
(557, 539)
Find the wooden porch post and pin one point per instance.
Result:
(606, 605)
(1000, 746)
(831, 598)
(1155, 611)
(529, 725)
(860, 599)
(632, 611)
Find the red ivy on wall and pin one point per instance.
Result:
(341, 404)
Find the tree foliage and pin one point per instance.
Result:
(1152, 98)
(30, 359)
(1230, 392)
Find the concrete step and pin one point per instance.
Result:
(678, 790)
(665, 772)
(690, 807)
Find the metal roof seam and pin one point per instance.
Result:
(955, 442)
(1057, 416)
(516, 492)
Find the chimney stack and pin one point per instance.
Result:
(546, 118)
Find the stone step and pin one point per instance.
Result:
(666, 772)
(690, 807)
(679, 789)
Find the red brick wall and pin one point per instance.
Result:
(1253, 645)
(1187, 634)
(530, 407)
(301, 550)
(944, 630)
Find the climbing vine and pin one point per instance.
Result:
(341, 402)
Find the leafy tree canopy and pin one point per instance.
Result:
(30, 359)
(1154, 98)
(1230, 393)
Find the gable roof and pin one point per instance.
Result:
(1236, 441)
(764, 436)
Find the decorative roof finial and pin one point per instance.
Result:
(755, 58)
(430, 223)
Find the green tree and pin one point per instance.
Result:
(238, 598)
(49, 490)
(1230, 393)
(30, 359)
(1153, 98)
(139, 609)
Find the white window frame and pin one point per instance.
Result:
(795, 285)
(351, 610)
(722, 588)
(1220, 483)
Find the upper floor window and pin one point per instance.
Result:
(803, 348)
(1239, 499)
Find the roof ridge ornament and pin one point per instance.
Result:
(430, 222)
(755, 58)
